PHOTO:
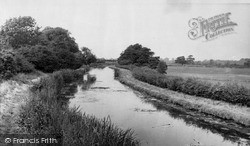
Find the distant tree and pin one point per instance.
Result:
(138, 55)
(162, 67)
(190, 59)
(211, 62)
(180, 60)
(21, 31)
(88, 55)
(247, 63)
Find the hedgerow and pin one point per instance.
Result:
(232, 93)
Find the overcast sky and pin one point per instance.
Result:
(108, 27)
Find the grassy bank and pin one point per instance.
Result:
(14, 93)
(47, 113)
(231, 93)
(239, 114)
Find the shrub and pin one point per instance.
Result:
(12, 63)
(231, 93)
(162, 67)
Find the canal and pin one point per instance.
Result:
(154, 126)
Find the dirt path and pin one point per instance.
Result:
(12, 96)
(217, 108)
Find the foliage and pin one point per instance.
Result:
(180, 60)
(138, 55)
(162, 67)
(231, 93)
(247, 63)
(12, 63)
(58, 39)
(190, 59)
(88, 55)
(42, 57)
(45, 113)
(49, 50)
(21, 31)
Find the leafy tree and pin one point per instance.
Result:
(138, 55)
(88, 55)
(64, 48)
(59, 39)
(42, 57)
(247, 63)
(190, 59)
(21, 31)
(162, 67)
(153, 62)
(180, 60)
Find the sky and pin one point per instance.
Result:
(108, 27)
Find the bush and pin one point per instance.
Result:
(231, 93)
(162, 67)
(12, 63)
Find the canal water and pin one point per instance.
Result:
(129, 109)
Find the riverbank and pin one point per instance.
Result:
(13, 94)
(45, 111)
(219, 109)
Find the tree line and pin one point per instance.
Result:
(24, 47)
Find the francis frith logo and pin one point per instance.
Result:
(211, 28)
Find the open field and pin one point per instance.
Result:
(214, 75)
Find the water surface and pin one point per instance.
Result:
(128, 109)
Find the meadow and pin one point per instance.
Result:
(213, 75)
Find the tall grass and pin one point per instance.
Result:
(231, 93)
(45, 113)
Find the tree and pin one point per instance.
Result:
(180, 60)
(88, 55)
(190, 59)
(247, 63)
(63, 47)
(42, 57)
(162, 67)
(138, 55)
(21, 31)
(153, 62)
(58, 38)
